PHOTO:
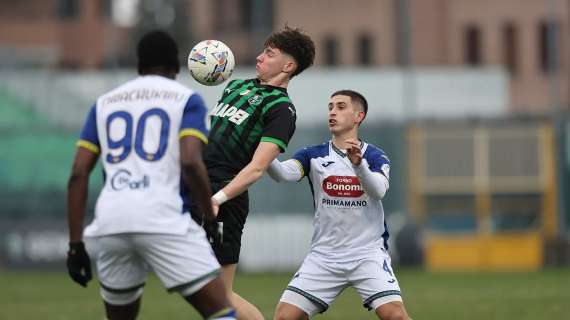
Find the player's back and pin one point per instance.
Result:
(137, 127)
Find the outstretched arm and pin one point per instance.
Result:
(264, 154)
(286, 171)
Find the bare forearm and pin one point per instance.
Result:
(244, 179)
(77, 190)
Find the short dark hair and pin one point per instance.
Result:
(157, 49)
(296, 43)
(354, 97)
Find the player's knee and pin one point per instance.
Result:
(393, 312)
(287, 312)
(120, 298)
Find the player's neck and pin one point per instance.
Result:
(338, 139)
(281, 80)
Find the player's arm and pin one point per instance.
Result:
(286, 171)
(195, 174)
(77, 190)
(78, 262)
(192, 136)
(264, 154)
(78, 184)
(375, 184)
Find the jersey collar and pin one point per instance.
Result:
(343, 154)
(257, 83)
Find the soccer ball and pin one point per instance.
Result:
(211, 62)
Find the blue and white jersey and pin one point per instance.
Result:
(348, 223)
(136, 129)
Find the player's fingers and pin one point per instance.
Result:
(88, 273)
(78, 278)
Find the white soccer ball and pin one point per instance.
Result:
(211, 62)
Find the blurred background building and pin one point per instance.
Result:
(470, 99)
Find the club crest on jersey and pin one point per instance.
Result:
(255, 100)
(342, 186)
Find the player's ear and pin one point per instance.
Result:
(290, 65)
(359, 117)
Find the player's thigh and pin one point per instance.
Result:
(116, 261)
(121, 271)
(184, 263)
(375, 281)
(286, 311)
(315, 285)
(232, 216)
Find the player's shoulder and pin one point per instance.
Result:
(374, 152)
(316, 151)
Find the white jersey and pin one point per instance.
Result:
(136, 128)
(348, 223)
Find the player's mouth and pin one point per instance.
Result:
(332, 122)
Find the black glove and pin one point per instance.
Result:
(213, 232)
(78, 263)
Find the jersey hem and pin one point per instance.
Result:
(88, 145)
(194, 133)
(278, 142)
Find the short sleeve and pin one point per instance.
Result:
(279, 124)
(89, 138)
(378, 161)
(194, 119)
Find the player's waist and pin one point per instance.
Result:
(345, 252)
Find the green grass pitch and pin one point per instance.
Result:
(517, 296)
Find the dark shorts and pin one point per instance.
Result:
(232, 216)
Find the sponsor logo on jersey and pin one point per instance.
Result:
(122, 180)
(233, 114)
(326, 164)
(343, 203)
(342, 186)
(255, 100)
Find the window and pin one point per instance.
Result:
(547, 46)
(472, 45)
(364, 45)
(68, 9)
(331, 51)
(510, 47)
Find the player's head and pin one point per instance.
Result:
(288, 51)
(157, 53)
(347, 110)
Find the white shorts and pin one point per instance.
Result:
(319, 282)
(184, 263)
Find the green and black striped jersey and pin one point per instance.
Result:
(246, 114)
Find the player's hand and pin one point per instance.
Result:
(78, 263)
(353, 152)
